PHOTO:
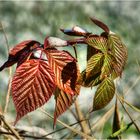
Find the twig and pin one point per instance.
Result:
(128, 114)
(103, 119)
(120, 131)
(134, 84)
(10, 128)
(25, 136)
(83, 124)
(74, 115)
(62, 128)
(10, 72)
(70, 128)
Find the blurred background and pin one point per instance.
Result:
(23, 20)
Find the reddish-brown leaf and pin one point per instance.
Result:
(100, 24)
(63, 101)
(65, 69)
(20, 53)
(32, 86)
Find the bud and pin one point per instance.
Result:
(79, 30)
(51, 42)
(75, 31)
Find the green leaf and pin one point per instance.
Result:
(104, 94)
(94, 64)
(92, 80)
(119, 51)
(107, 67)
(120, 131)
(98, 42)
(90, 52)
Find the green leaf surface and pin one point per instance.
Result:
(98, 42)
(107, 67)
(90, 52)
(94, 64)
(104, 94)
(119, 51)
(92, 80)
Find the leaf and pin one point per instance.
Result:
(94, 64)
(65, 69)
(107, 67)
(28, 44)
(119, 51)
(100, 24)
(20, 53)
(120, 131)
(90, 52)
(63, 101)
(92, 80)
(98, 42)
(116, 121)
(32, 86)
(104, 94)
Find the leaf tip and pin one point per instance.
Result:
(100, 24)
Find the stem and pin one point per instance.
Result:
(65, 125)
(80, 115)
(76, 41)
(8, 91)
(25, 136)
(62, 128)
(129, 115)
(10, 128)
(10, 72)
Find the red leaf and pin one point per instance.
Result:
(32, 86)
(28, 44)
(65, 69)
(63, 101)
(20, 53)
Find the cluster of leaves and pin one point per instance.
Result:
(55, 72)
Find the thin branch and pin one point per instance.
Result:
(68, 127)
(134, 84)
(120, 131)
(5, 36)
(74, 114)
(130, 105)
(103, 119)
(75, 51)
(10, 128)
(138, 129)
(80, 115)
(25, 136)
(10, 72)
(62, 128)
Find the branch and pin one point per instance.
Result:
(25, 136)
(128, 114)
(10, 71)
(68, 127)
(83, 124)
(15, 133)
